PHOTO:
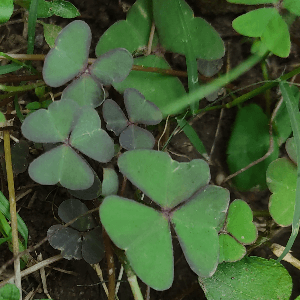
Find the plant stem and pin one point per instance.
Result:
(13, 209)
(181, 103)
(22, 88)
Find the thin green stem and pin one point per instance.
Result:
(22, 88)
(181, 103)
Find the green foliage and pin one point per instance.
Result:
(145, 233)
(6, 10)
(239, 231)
(9, 292)
(79, 127)
(267, 24)
(249, 141)
(139, 110)
(110, 184)
(182, 33)
(252, 278)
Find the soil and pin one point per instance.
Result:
(39, 208)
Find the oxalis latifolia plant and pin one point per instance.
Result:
(212, 232)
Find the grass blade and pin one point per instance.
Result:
(294, 114)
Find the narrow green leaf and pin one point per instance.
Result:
(294, 114)
(9, 68)
(192, 136)
(31, 25)
(4, 208)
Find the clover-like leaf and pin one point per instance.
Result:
(144, 232)
(209, 68)
(91, 193)
(113, 66)
(248, 279)
(145, 235)
(114, 117)
(70, 54)
(182, 33)
(141, 110)
(6, 8)
(230, 249)
(239, 222)
(88, 137)
(110, 184)
(62, 164)
(281, 179)
(85, 91)
(292, 6)
(72, 208)
(77, 242)
(163, 183)
(132, 33)
(134, 137)
(267, 24)
(52, 125)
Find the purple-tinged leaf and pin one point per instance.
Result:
(134, 137)
(113, 66)
(52, 125)
(90, 139)
(64, 165)
(85, 91)
(141, 110)
(114, 117)
(70, 54)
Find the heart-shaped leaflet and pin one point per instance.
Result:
(144, 232)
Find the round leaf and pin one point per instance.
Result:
(113, 66)
(230, 249)
(209, 68)
(114, 117)
(162, 178)
(70, 54)
(141, 110)
(145, 236)
(281, 180)
(239, 222)
(293, 6)
(248, 279)
(9, 292)
(71, 209)
(85, 91)
(197, 224)
(134, 137)
(63, 165)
